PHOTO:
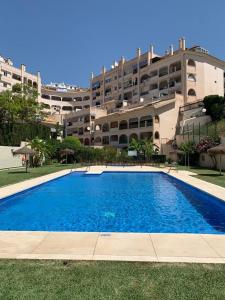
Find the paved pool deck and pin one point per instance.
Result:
(154, 247)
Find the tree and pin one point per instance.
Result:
(214, 105)
(42, 150)
(188, 148)
(137, 145)
(71, 142)
(148, 149)
(20, 104)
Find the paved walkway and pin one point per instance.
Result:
(198, 248)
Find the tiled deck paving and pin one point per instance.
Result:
(202, 248)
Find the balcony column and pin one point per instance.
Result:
(138, 70)
(150, 54)
(91, 80)
(103, 79)
(23, 70)
(122, 76)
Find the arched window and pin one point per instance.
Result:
(114, 138)
(123, 125)
(191, 62)
(156, 119)
(86, 142)
(144, 77)
(98, 140)
(105, 140)
(156, 135)
(191, 92)
(97, 127)
(191, 77)
(133, 136)
(123, 139)
(105, 127)
(133, 123)
(146, 121)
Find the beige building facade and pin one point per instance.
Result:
(10, 75)
(145, 96)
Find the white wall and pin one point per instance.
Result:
(7, 160)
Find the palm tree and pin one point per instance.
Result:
(148, 148)
(42, 150)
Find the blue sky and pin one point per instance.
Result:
(67, 40)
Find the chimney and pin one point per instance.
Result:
(171, 49)
(92, 75)
(180, 44)
(103, 70)
(23, 68)
(138, 52)
(183, 43)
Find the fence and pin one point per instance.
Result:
(13, 134)
(195, 132)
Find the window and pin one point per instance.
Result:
(133, 123)
(156, 135)
(45, 96)
(156, 119)
(144, 77)
(123, 125)
(96, 85)
(86, 142)
(78, 99)
(191, 77)
(98, 140)
(191, 63)
(105, 140)
(114, 124)
(123, 139)
(66, 99)
(105, 127)
(163, 71)
(67, 108)
(114, 138)
(56, 98)
(86, 98)
(191, 92)
(146, 121)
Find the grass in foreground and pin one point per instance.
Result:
(208, 175)
(16, 175)
(110, 280)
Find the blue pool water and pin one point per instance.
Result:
(114, 202)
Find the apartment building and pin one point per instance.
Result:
(10, 75)
(141, 98)
(61, 99)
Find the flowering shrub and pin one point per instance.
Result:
(206, 143)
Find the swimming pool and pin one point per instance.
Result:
(114, 202)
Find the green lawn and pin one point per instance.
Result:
(110, 280)
(16, 175)
(208, 175)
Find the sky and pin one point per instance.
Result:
(67, 40)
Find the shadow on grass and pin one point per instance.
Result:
(19, 172)
(210, 175)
